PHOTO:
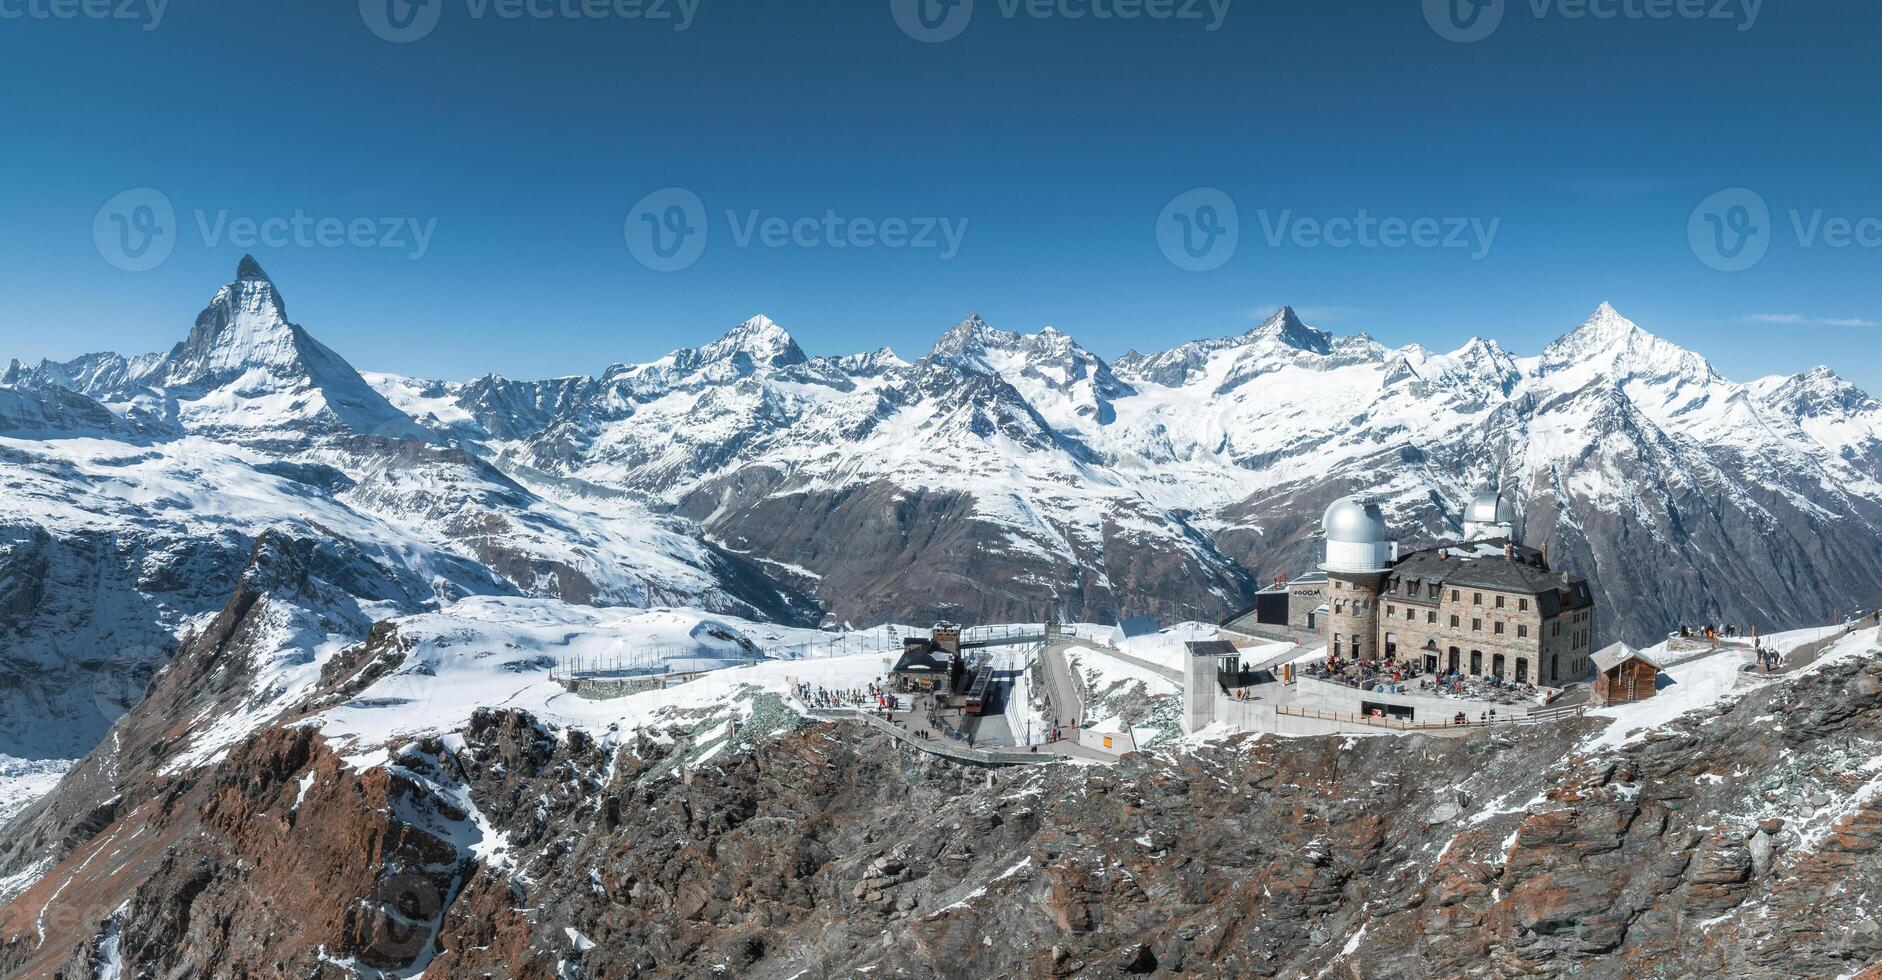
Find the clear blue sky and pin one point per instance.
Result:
(1059, 142)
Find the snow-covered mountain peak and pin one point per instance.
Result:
(1479, 359)
(971, 339)
(13, 372)
(1285, 327)
(244, 368)
(1618, 348)
(759, 339)
(245, 325)
(249, 270)
(1819, 392)
(871, 364)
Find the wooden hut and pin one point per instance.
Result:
(1624, 674)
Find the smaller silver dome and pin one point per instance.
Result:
(1489, 507)
(1355, 520)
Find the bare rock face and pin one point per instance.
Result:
(885, 553)
(1740, 841)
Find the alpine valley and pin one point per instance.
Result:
(1000, 477)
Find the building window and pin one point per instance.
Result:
(1476, 598)
(1336, 646)
(1433, 590)
(1499, 602)
(1497, 628)
(1411, 613)
(1522, 671)
(1476, 663)
(1522, 631)
(1453, 621)
(1431, 616)
(1453, 595)
(1522, 605)
(1476, 626)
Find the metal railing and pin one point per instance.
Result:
(959, 753)
(1399, 725)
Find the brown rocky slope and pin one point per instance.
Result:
(1738, 841)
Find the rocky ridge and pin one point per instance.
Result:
(1737, 840)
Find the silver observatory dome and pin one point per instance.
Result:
(1357, 538)
(1355, 520)
(1489, 507)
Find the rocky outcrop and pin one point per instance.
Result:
(1739, 841)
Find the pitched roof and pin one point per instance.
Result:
(1138, 626)
(1620, 653)
(918, 661)
(1523, 574)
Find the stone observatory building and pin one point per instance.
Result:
(1484, 606)
(1359, 554)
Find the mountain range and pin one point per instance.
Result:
(1000, 477)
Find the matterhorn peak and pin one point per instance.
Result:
(249, 270)
(245, 323)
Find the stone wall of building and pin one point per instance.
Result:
(1302, 599)
(1354, 619)
(1528, 644)
(1569, 649)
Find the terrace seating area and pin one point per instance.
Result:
(1397, 677)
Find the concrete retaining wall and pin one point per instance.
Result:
(1312, 692)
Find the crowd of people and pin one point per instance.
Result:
(1712, 631)
(1396, 676)
(873, 696)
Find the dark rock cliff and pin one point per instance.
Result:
(1740, 841)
